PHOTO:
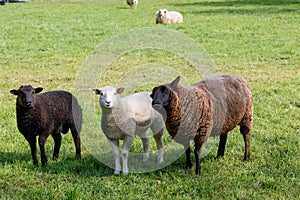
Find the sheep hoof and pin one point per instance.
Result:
(125, 172)
(160, 160)
(188, 165)
(246, 159)
(145, 157)
(198, 171)
(117, 172)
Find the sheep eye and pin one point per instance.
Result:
(101, 93)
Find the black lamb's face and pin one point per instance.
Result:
(26, 95)
(160, 96)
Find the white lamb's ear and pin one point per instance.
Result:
(120, 90)
(96, 91)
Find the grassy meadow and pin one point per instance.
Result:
(45, 43)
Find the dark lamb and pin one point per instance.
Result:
(47, 113)
(211, 107)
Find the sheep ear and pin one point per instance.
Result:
(14, 92)
(96, 91)
(38, 90)
(173, 84)
(120, 90)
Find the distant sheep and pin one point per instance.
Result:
(48, 113)
(123, 118)
(163, 16)
(132, 3)
(211, 107)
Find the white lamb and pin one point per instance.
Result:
(123, 118)
(163, 16)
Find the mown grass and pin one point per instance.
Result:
(46, 43)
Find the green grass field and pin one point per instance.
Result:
(45, 43)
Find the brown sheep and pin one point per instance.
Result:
(211, 107)
(48, 113)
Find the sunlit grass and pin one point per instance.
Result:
(45, 44)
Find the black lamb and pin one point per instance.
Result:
(48, 113)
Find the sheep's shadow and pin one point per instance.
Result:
(122, 8)
(14, 157)
(88, 165)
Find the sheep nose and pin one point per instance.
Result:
(108, 103)
(155, 101)
(28, 103)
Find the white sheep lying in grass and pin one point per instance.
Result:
(123, 118)
(163, 16)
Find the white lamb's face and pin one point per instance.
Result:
(108, 96)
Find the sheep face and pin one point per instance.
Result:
(25, 95)
(160, 14)
(161, 94)
(108, 96)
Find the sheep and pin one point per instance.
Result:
(132, 3)
(211, 107)
(123, 118)
(47, 113)
(163, 16)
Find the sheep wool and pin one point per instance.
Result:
(211, 107)
(47, 113)
(163, 16)
(123, 118)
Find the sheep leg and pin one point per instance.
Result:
(146, 146)
(245, 131)
(32, 143)
(57, 144)
(115, 148)
(222, 144)
(159, 146)
(76, 138)
(42, 140)
(197, 149)
(128, 140)
(188, 162)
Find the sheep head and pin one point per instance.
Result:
(25, 95)
(108, 96)
(160, 15)
(161, 94)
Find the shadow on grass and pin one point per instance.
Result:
(14, 158)
(243, 7)
(86, 166)
(240, 3)
(89, 166)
